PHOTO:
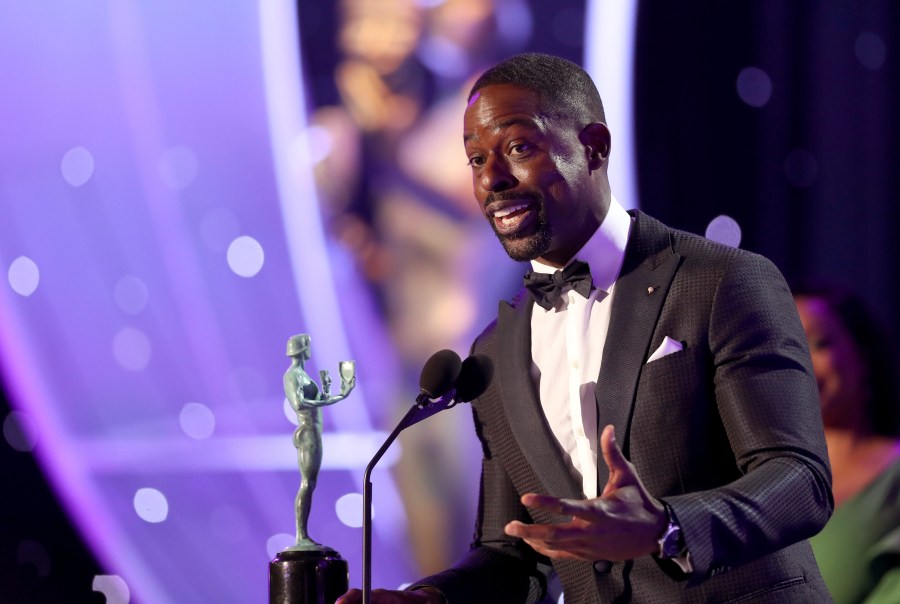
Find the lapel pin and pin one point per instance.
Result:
(650, 290)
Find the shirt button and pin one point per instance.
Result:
(574, 364)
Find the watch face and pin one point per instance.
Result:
(673, 542)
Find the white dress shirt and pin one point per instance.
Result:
(567, 346)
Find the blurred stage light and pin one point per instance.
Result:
(754, 86)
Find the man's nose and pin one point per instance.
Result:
(496, 175)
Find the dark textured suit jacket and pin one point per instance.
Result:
(726, 431)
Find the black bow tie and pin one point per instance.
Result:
(547, 289)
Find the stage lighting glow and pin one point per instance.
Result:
(444, 57)
(132, 349)
(609, 32)
(131, 295)
(19, 431)
(245, 256)
(278, 542)
(349, 509)
(24, 276)
(725, 230)
(77, 166)
(113, 587)
(197, 420)
(870, 50)
(313, 145)
(151, 505)
(754, 86)
(515, 21)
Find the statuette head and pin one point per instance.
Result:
(297, 345)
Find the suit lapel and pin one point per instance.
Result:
(640, 291)
(521, 403)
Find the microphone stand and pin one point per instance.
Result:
(424, 408)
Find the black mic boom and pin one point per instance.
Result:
(445, 381)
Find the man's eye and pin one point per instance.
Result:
(475, 161)
(519, 148)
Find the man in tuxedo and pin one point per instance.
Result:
(678, 361)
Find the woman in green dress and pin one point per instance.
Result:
(859, 550)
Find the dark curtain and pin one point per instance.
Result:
(813, 175)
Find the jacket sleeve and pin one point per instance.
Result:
(767, 398)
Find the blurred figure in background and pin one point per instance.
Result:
(411, 229)
(859, 550)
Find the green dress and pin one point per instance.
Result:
(858, 551)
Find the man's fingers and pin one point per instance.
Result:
(560, 542)
(553, 504)
(550, 533)
(565, 507)
(612, 454)
(620, 472)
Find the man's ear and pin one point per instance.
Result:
(597, 141)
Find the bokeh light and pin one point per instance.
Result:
(349, 509)
(279, 542)
(197, 420)
(870, 50)
(24, 276)
(113, 587)
(245, 256)
(725, 230)
(151, 505)
(20, 431)
(77, 166)
(132, 349)
(754, 86)
(131, 295)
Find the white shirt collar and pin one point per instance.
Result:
(604, 251)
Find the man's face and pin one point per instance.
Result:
(530, 174)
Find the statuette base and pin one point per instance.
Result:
(307, 577)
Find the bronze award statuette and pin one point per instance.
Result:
(308, 572)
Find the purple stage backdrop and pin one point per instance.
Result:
(160, 240)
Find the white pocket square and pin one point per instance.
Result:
(667, 347)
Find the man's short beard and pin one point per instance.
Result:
(525, 248)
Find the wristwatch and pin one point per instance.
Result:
(671, 544)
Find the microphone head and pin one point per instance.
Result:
(475, 376)
(440, 373)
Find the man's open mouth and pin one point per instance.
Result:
(511, 219)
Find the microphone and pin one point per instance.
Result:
(475, 376)
(439, 375)
(444, 382)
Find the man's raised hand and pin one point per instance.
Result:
(623, 523)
